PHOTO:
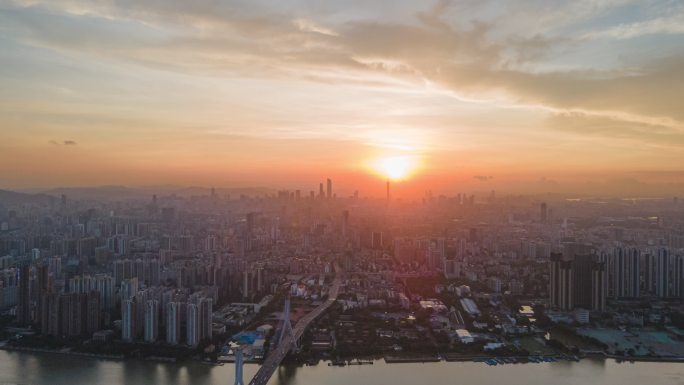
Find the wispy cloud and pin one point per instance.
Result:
(672, 24)
(309, 26)
(63, 143)
(248, 38)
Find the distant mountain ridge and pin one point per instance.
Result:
(114, 192)
(15, 198)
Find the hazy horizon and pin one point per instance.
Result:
(626, 188)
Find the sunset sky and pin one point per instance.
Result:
(476, 94)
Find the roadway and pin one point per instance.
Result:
(275, 357)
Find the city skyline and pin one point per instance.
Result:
(577, 97)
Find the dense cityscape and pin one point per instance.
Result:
(498, 279)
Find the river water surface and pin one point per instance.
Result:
(52, 369)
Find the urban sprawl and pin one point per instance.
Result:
(206, 274)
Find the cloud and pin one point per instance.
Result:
(469, 56)
(309, 26)
(645, 93)
(237, 38)
(641, 133)
(672, 24)
(483, 178)
(64, 143)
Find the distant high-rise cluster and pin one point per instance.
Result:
(586, 280)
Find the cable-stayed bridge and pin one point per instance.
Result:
(290, 336)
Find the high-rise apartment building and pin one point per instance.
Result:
(173, 323)
(128, 320)
(192, 325)
(151, 320)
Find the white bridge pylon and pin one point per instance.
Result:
(286, 329)
(238, 366)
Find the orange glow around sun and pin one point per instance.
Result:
(395, 167)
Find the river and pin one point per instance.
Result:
(19, 368)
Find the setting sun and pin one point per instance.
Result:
(396, 167)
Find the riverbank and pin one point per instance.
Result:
(644, 359)
(390, 359)
(67, 352)
(411, 358)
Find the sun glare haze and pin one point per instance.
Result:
(396, 167)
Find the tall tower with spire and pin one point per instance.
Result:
(388, 190)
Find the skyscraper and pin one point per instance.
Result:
(73, 307)
(123, 269)
(104, 284)
(151, 320)
(192, 334)
(128, 320)
(648, 268)
(246, 284)
(154, 268)
(624, 274)
(560, 282)
(210, 243)
(599, 285)
(24, 302)
(50, 322)
(543, 214)
(251, 218)
(436, 253)
(662, 276)
(206, 312)
(388, 190)
(578, 281)
(173, 323)
(129, 288)
(93, 312)
(42, 287)
(582, 280)
(678, 289)
(260, 279)
(329, 189)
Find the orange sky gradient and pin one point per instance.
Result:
(581, 97)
